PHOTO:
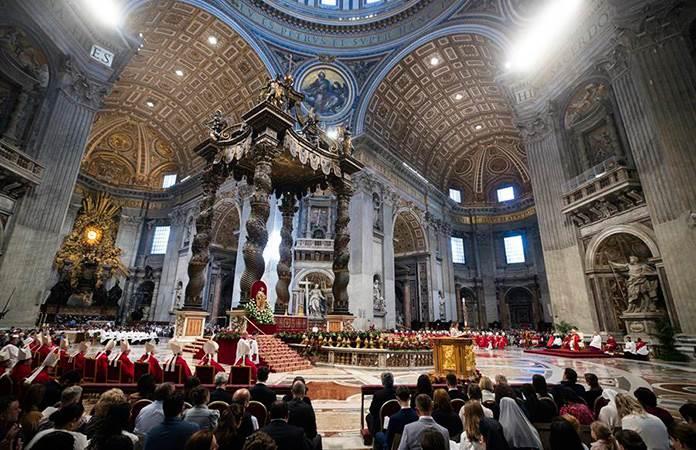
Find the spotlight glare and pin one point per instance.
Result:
(547, 30)
(332, 133)
(105, 11)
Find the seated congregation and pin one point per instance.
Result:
(499, 416)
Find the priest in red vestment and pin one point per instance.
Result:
(610, 346)
(211, 348)
(177, 360)
(36, 342)
(502, 342)
(77, 360)
(46, 346)
(64, 355)
(22, 369)
(40, 374)
(244, 349)
(149, 357)
(102, 362)
(127, 366)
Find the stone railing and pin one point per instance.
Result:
(314, 244)
(369, 357)
(20, 166)
(601, 192)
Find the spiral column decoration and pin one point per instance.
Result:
(341, 247)
(288, 209)
(213, 177)
(257, 235)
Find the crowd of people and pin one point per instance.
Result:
(493, 415)
(53, 416)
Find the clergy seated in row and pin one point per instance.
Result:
(176, 360)
(244, 354)
(149, 358)
(210, 348)
(102, 362)
(555, 341)
(121, 360)
(636, 350)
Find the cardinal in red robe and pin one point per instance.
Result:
(64, 355)
(243, 348)
(610, 346)
(127, 366)
(36, 342)
(574, 342)
(177, 360)
(102, 362)
(211, 348)
(77, 360)
(149, 357)
(502, 342)
(46, 346)
(40, 374)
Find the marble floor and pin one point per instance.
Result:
(335, 390)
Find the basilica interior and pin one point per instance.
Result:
(501, 164)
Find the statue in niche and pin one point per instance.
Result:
(642, 291)
(179, 298)
(377, 212)
(114, 294)
(316, 304)
(443, 312)
(377, 298)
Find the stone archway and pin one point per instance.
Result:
(303, 283)
(411, 268)
(520, 304)
(608, 284)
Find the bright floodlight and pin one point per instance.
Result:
(179, 72)
(434, 61)
(212, 40)
(545, 31)
(332, 133)
(107, 12)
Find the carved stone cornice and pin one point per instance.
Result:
(80, 88)
(178, 216)
(652, 24)
(131, 220)
(616, 62)
(390, 197)
(536, 128)
(366, 182)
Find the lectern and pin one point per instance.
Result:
(454, 355)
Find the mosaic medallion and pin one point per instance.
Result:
(326, 89)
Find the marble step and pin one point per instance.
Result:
(686, 344)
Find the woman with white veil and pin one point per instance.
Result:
(518, 431)
(609, 414)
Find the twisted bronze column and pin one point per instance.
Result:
(341, 248)
(213, 176)
(257, 235)
(288, 209)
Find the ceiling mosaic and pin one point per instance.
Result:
(179, 78)
(126, 152)
(442, 112)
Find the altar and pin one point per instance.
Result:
(454, 355)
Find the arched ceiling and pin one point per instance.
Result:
(225, 76)
(451, 121)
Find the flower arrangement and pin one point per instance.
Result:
(261, 316)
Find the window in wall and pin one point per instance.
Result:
(514, 249)
(168, 180)
(456, 195)
(328, 2)
(159, 240)
(370, 2)
(506, 193)
(457, 244)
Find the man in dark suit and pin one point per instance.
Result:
(220, 394)
(286, 437)
(378, 399)
(249, 424)
(300, 413)
(174, 431)
(406, 415)
(260, 392)
(452, 388)
(570, 380)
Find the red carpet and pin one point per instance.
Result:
(568, 353)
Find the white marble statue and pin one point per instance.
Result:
(377, 298)
(314, 303)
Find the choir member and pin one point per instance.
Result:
(149, 357)
(211, 348)
(177, 360)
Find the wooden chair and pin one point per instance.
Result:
(258, 410)
(387, 410)
(135, 410)
(218, 405)
(457, 404)
(240, 375)
(175, 377)
(113, 373)
(206, 374)
(90, 372)
(140, 369)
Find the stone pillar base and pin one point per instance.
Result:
(189, 324)
(339, 322)
(237, 320)
(643, 324)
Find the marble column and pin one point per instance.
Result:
(407, 303)
(36, 236)
(654, 80)
(217, 292)
(389, 199)
(341, 261)
(361, 264)
(563, 254)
